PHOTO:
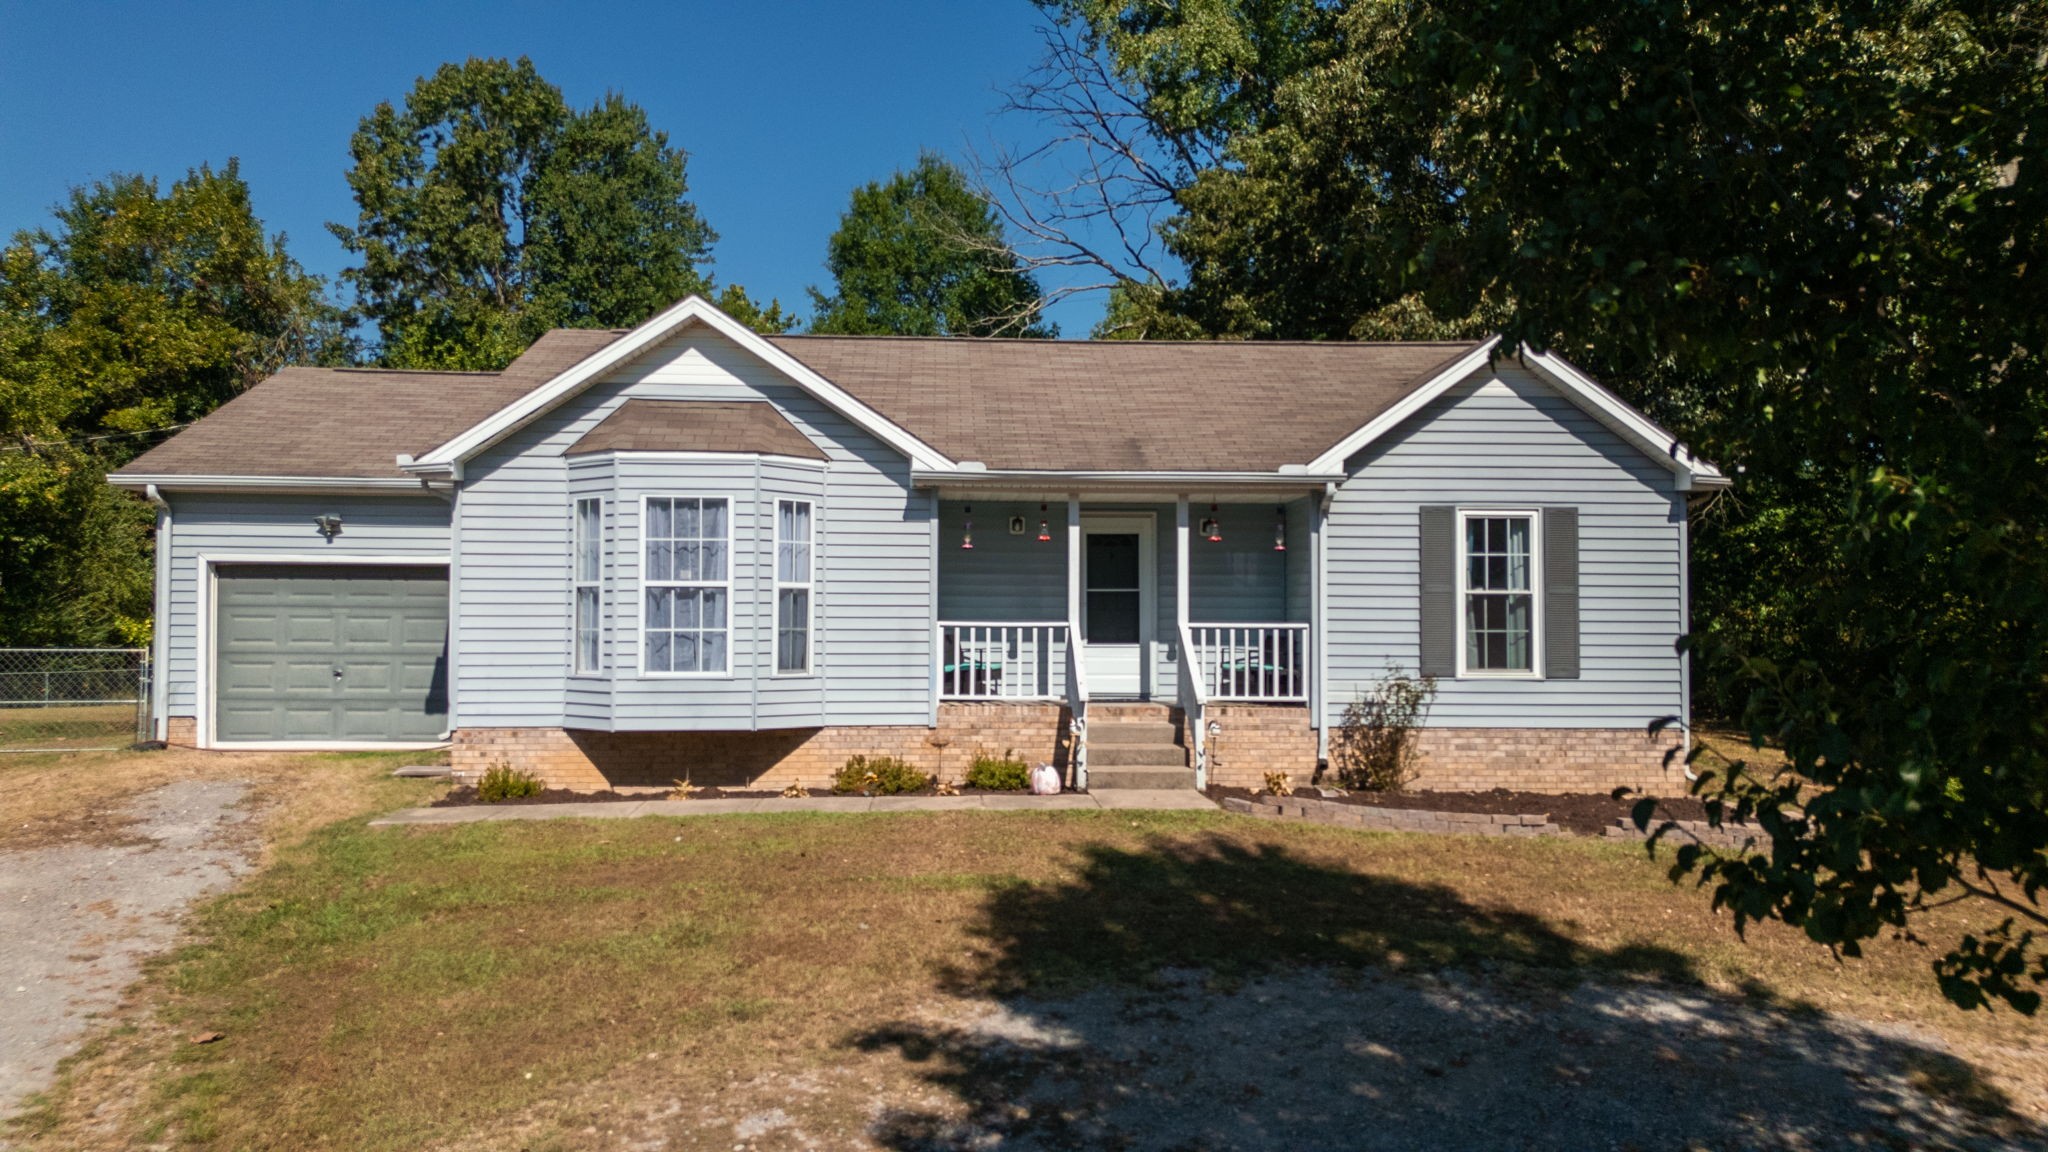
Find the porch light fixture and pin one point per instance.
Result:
(1044, 525)
(967, 529)
(1280, 529)
(1212, 528)
(329, 524)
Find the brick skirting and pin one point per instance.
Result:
(585, 761)
(1249, 740)
(1547, 760)
(181, 731)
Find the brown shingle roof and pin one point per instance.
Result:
(1125, 405)
(697, 426)
(1026, 404)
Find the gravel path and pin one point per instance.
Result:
(77, 920)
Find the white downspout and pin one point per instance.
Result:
(160, 630)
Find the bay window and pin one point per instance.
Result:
(793, 537)
(589, 584)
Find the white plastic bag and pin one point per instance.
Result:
(1045, 781)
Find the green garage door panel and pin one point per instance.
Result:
(332, 653)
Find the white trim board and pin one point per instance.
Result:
(697, 310)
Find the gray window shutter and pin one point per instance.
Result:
(1439, 591)
(1561, 593)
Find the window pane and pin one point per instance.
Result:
(686, 519)
(711, 652)
(1113, 617)
(589, 537)
(1112, 561)
(713, 613)
(713, 526)
(711, 560)
(660, 608)
(658, 651)
(660, 519)
(686, 652)
(586, 629)
(793, 637)
(661, 564)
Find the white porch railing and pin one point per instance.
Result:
(1262, 662)
(1013, 660)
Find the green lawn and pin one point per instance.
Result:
(68, 726)
(482, 985)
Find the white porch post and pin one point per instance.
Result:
(1319, 627)
(1073, 566)
(1180, 566)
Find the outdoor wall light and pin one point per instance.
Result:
(1044, 525)
(329, 524)
(1280, 529)
(1212, 528)
(967, 529)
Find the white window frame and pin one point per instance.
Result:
(1535, 518)
(577, 584)
(732, 505)
(809, 587)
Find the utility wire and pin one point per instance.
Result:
(94, 439)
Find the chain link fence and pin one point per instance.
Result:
(73, 699)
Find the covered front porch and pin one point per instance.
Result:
(1185, 599)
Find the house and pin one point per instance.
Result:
(688, 549)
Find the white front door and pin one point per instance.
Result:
(1118, 603)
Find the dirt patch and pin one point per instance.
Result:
(1583, 813)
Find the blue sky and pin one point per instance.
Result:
(783, 105)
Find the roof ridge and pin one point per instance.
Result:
(372, 369)
(1044, 343)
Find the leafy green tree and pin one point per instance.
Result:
(490, 211)
(134, 313)
(769, 319)
(924, 255)
(1810, 237)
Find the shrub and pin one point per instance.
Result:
(1003, 773)
(878, 776)
(1375, 745)
(501, 781)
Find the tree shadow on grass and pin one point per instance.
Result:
(1209, 995)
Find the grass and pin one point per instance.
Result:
(67, 726)
(510, 984)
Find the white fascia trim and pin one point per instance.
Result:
(269, 483)
(1332, 461)
(1612, 411)
(400, 560)
(1202, 481)
(693, 309)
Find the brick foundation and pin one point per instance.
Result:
(1251, 740)
(1547, 760)
(181, 731)
(586, 761)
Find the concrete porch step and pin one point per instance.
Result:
(1137, 755)
(1133, 732)
(1114, 779)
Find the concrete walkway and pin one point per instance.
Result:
(1177, 798)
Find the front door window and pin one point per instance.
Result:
(1115, 597)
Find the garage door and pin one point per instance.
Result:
(342, 653)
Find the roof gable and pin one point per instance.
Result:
(449, 456)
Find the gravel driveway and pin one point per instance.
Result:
(77, 920)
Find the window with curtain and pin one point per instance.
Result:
(686, 584)
(793, 586)
(589, 582)
(1499, 576)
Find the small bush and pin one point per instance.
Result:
(501, 782)
(878, 776)
(1003, 773)
(1375, 745)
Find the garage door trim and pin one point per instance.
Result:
(207, 630)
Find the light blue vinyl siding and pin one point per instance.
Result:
(873, 642)
(277, 526)
(1507, 439)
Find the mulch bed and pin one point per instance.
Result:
(1583, 813)
(465, 797)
